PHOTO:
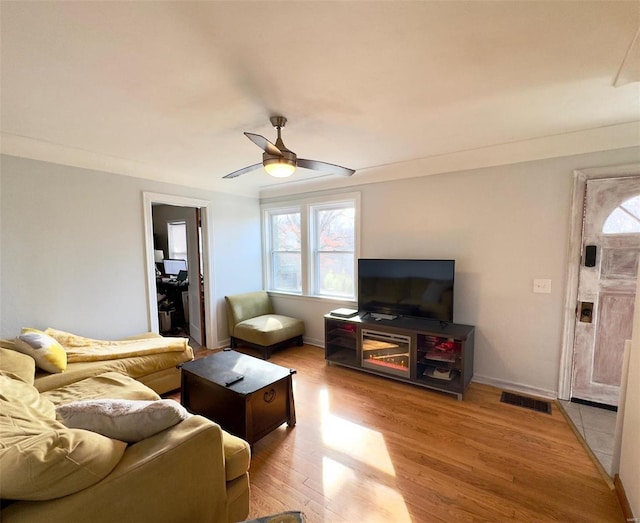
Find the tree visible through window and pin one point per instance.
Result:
(286, 243)
(334, 250)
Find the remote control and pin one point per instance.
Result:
(234, 380)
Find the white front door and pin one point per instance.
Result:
(606, 287)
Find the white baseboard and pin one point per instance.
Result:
(195, 333)
(515, 387)
(313, 341)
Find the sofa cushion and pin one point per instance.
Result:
(269, 329)
(47, 352)
(39, 457)
(16, 363)
(103, 386)
(237, 455)
(136, 367)
(126, 420)
(24, 399)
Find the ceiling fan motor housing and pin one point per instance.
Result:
(287, 157)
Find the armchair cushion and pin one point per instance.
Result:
(269, 329)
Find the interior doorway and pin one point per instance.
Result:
(178, 247)
(179, 280)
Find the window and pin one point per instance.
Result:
(333, 231)
(286, 251)
(625, 218)
(177, 236)
(311, 248)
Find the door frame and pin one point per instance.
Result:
(148, 199)
(580, 178)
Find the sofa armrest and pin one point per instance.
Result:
(175, 475)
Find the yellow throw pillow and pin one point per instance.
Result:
(47, 352)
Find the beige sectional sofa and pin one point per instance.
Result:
(158, 371)
(190, 471)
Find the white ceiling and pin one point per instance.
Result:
(164, 90)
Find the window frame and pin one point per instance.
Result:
(307, 207)
(170, 239)
(267, 246)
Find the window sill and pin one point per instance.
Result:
(325, 299)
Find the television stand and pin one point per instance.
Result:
(428, 353)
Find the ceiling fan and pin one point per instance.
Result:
(279, 161)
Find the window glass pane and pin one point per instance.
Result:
(335, 229)
(334, 240)
(286, 272)
(285, 232)
(335, 274)
(624, 219)
(177, 239)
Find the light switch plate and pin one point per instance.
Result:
(542, 286)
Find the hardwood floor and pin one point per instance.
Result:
(369, 449)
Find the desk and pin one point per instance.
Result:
(173, 291)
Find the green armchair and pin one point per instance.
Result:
(252, 320)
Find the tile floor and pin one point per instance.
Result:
(597, 427)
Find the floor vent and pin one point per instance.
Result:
(527, 403)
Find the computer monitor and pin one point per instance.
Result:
(173, 267)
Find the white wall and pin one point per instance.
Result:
(73, 250)
(504, 226)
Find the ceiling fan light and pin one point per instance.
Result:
(279, 168)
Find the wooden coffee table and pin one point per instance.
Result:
(249, 408)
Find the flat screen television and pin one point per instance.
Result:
(416, 288)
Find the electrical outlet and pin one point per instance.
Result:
(542, 286)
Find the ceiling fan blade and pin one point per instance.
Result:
(323, 166)
(264, 144)
(237, 173)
